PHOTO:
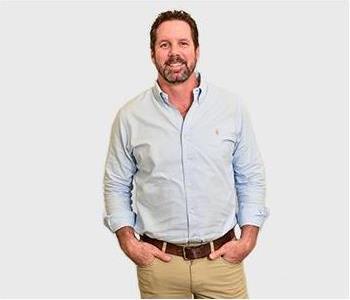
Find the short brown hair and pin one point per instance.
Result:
(174, 15)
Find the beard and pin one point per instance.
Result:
(178, 73)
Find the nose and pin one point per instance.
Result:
(174, 49)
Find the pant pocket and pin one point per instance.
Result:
(223, 260)
(149, 265)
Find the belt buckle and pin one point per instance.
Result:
(184, 252)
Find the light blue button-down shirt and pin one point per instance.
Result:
(184, 180)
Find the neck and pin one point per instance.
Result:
(180, 92)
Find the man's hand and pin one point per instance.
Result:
(236, 250)
(233, 251)
(140, 252)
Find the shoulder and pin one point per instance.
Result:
(230, 99)
(137, 103)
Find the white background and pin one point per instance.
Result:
(66, 68)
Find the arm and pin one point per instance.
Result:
(120, 168)
(249, 179)
(249, 175)
(126, 237)
(249, 235)
(119, 217)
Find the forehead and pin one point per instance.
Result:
(174, 29)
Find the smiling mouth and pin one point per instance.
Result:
(176, 65)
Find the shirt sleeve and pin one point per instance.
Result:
(249, 173)
(120, 168)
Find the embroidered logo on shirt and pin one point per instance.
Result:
(217, 131)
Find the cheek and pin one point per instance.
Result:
(190, 56)
(160, 59)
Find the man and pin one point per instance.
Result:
(182, 170)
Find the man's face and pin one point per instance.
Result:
(174, 53)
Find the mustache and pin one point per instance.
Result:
(174, 60)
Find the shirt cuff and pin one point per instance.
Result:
(113, 223)
(252, 215)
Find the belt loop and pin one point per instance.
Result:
(212, 246)
(164, 246)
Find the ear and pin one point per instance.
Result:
(197, 53)
(152, 57)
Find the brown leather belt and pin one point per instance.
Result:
(190, 252)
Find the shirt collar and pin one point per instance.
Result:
(198, 92)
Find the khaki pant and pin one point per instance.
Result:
(200, 278)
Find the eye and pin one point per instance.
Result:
(163, 45)
(183, 43)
